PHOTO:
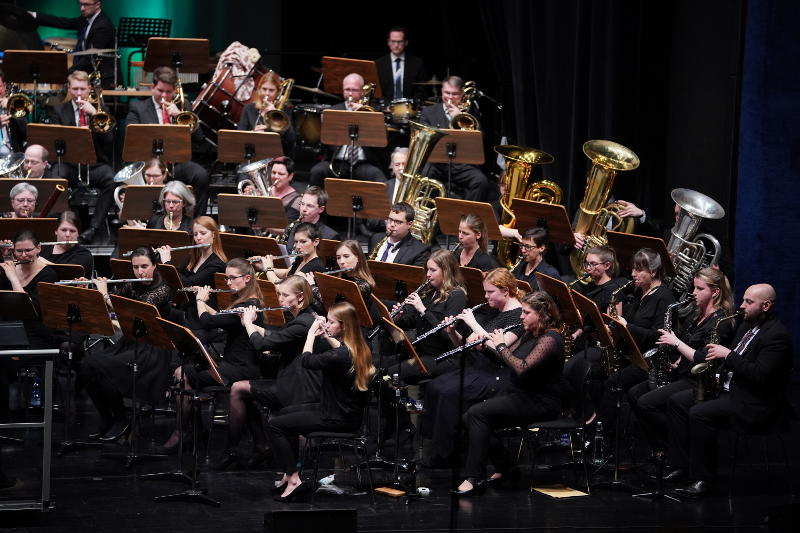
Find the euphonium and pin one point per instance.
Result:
(519, 166)
(276, 119)
(607, 158)
(257, 170)
(184, 118)
(129, 175)
(464, 120)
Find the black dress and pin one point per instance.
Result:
(157, 222)
(315, 265)
(480, 260)
(77, 255)
(38, 335)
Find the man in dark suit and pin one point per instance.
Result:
(12, 130)
(95, 30)
(401, 247)
(160, 109)
(755, 375)
(399, 70)
(36, 165)
(367, 160)
(79, 112)
(470, 179)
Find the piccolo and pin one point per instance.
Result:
(397, 311)
(175, 249)
(92, 282)
(240, 310)
(51, 243)
(444, 325)
(195, 289)
(469, 345)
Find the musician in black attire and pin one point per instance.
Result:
(535, 361)
(755, 374)
(13, 131)
(348, 255)
(312, 207)
(533, 247)
(399, 70)
(69, 227)
(306, 243)
(336, 349)
(474, 243)
(177, 203)
(684, 347)
(265, 96)
(400, 246)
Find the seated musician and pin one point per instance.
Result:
(160, 109)
(474, 243)
(399, 246)
(532, 248)
(78, 111)
(755, 372)
(372, 226)
(485, 375)
(23, 197)
(398, 70)
(348, 255)
(177, 203)
(533, 394)
(293, 385)
(335, 348)
(253, 114)
(240, 360)
(69, 227)
(367, 160)
(12, 130)
(106, 372)
(684, 347)
(36, 165)
(155, 172)
(306, 242)
(312, 207)
(470, 179)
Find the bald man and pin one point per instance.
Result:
(367, 160)
(755, 374)
(36, 162)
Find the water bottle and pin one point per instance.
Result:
(36, 392)
(597, 452)
(565, 440)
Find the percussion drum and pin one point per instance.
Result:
(403, 110)
(308, 118)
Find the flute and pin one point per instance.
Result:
(195, 289)
(50, 243)
(469, 345)
(92, 282)
(22, 261)
(285, 256)
(177, 248)
(397, 311)
(240, 310)
(444, 325)
(338, 271)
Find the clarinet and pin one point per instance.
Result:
(397, 311)
(469, 345)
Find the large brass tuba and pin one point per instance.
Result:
(260, 177)
(519, 167)
(687, 249)
(464, 120)
(593, 215)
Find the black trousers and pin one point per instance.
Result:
(693, 432)
(101, 176)
(363, 170)
(472, 182)
(650, 407)
(195, 175)
(624, 379)
(283, 431)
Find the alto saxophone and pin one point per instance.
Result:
(709, 382)
(658, 357)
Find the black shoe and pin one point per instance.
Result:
(513, 477)
(87, 236)
(226, 460)
(278, 489)
(263, 455)
(478, 488)
(120, 428)
(297, 495)
(173, 448)
(698, 489)
(676, 474)
(105, 426)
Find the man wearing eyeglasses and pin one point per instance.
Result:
(95, 30)
(400, 246)
(398, 70)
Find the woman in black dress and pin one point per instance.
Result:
(343, 358)
(106, 373)
(474, 243)
(348, 255)
(69, 227)
(533, 246)
(306, 242)
(176, 201)
(536, 360)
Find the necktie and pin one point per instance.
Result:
(82, 117)
(385, 254)
(164, 116)
(743, 343)
(398, 79)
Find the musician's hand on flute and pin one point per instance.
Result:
(165, 253)
(249, 315)
(203, 293)
(258, 262)
(495, 338)
(101, 283)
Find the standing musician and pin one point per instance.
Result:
(69, 226)
(400, 246)
(474, 243)
(312, 207)
(337, 159)
(755, 372)
(687, 346)
(13, 131)
(36, 165)
(470, 179)
(240, 361)
(106, 373)
(23, 197)
(306, 242)
(160, 109)
(293, 385)
(176, 202)
(532, 248)
(399, 70)
(79, 112)
(266, 93)
(484, 374)
(335, 348)
(533, 393)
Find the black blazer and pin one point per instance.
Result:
(412, 252)
(101, 35)
(143, 112)
(413, 70)
(760, 373)
(247, 121)
(64, 115)
(434, 115)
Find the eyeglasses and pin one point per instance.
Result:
(527, 246)
(231, 278)
(588, 266)
(173, 202)
(25, 251)
(391, 220)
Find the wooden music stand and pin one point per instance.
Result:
(335, 69)
(236, 146)
(622, 337)
(36, 66)
(173, 279)
(356, 199)
(235, 245)
(245, 211)
(16, 306)
(398, 336)
(450, 211)
(473, 281)
(66, 271)
(45, 187)
(186, 342)
(170, 142)
(590, 312)
(77, 307)
(67, 144)
(129, 311)
(627, 244)
(393, 281)
(327, 249)
(459, 146)
(184, 55)
(121, 268)
(273, 318)
(128, 239)
(335, 290)
(553, 217)
(141, 202)
(41, 227)
(563, 297)
(340, 127)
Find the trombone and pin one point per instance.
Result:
(101, 121)
(276, 119)
(464, 120)
(184, 118)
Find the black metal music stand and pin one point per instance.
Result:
(134, 32)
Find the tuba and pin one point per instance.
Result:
(276, 119)
(464, 120)
(688, 250)
(519, 162)
(592, 218)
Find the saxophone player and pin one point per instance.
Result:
(312, 207)
(399, 246)
(756, 372)
(264, 101)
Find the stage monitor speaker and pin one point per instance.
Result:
(327, 520)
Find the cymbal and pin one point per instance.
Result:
(93, 52)
(432, 82)
(314, 90)
(16, 18)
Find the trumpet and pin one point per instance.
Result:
(184, 118)
(469, 345)
(240, 310)
(92, 282)
(195, 289)
(49, 243)
(175, 249)
(443, 325)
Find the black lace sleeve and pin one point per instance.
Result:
(545, 347)
(158, 296)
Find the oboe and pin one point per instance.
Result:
(469, 345)
(92, 282)
(240, 310)
(444, 325)
(195, 289)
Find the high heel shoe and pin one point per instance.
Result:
(120, 428)
(278, 489)
(297, 495)
(478, 488)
